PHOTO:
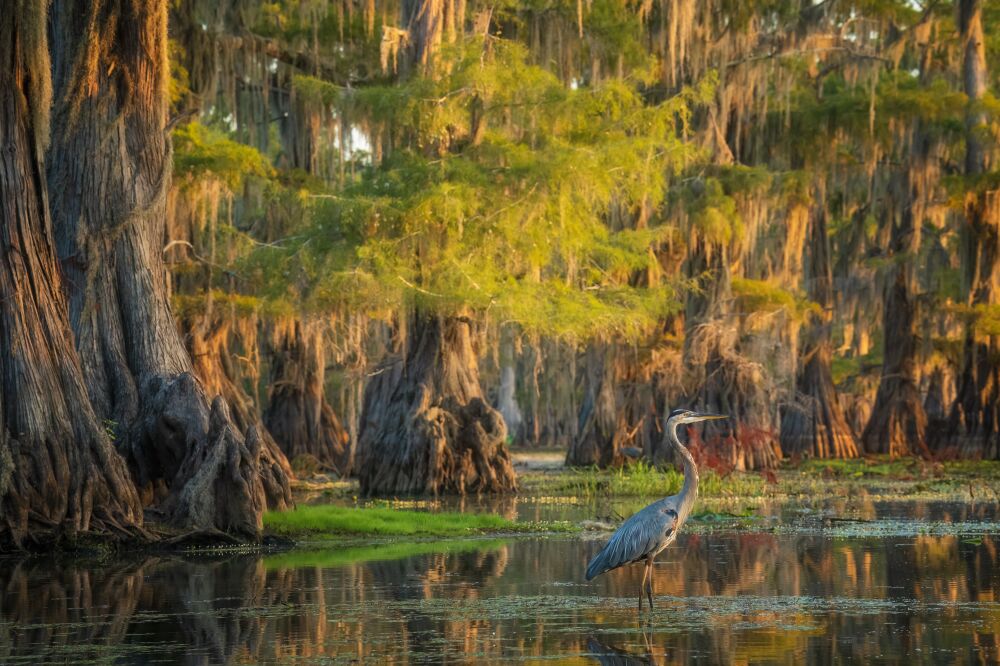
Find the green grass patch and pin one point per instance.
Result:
(382, 552)
(858, 467)
(641, 480)
(328, 519)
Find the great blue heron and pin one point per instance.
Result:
(649, 531)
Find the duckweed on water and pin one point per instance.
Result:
(671, 611)
(893, 528)
(325, 519)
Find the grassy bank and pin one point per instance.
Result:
(636, 480)
(542, 476)
(324, 520)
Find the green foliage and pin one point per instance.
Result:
(961, 186)
(180, 80)
(317, 91)
(763, 296)
(845, 368)
(715, 214)
(500, 197)
(711, 200)
(202, 152)
(986, 318)
(843, 122)
(934, 103)
(189, 305)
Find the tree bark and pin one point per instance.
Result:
(426, 427)
(59, 472)
(209, 336)
(898, 423)
(297, 413)
(598, 441)
(719, 378)
(426, 25)
(974, 426)
(816, 427)
(552, 416)
(109, 170)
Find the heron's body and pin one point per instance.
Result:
(643, 536)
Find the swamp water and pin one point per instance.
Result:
(895, 583)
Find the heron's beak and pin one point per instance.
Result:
(711, 417)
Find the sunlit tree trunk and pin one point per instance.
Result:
(426, 427)
(719, 379)
(818, 428)
(59, 473)
(599, 435)
(297, 412)
(975, 420)
(898, 423)
(109, 170)
(208, 336)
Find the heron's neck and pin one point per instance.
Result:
(689, 491)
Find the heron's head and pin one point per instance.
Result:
(687, 416)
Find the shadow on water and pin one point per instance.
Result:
(891, 595)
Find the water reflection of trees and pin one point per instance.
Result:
(716, 601)
(73, 612)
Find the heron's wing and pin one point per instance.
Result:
(638, 537)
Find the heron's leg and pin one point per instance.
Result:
(649, 583)
(645, 572)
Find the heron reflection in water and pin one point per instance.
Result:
(646, 533)
(608, 655)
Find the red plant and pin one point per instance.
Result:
(721, 453)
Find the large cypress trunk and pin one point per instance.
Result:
(426, 426)
(297, 413)
(600, 433)
(59, 473)
(816, 426)
(109, 171)
(975, 420)
(898, 424)
(209, 336)
(552, 415)
(721, 380)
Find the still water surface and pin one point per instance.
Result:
(904, 583)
